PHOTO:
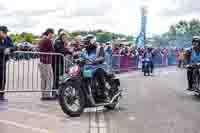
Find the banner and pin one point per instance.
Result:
(140, 41)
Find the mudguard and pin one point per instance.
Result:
(116, 80)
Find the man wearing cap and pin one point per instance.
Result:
(5, 47)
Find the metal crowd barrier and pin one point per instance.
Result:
(24, 71)
(32, 72)
(127, 63)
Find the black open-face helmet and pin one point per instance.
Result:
(89, 39)
(196, 41)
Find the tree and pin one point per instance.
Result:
(29, 37)
(74, 34)
(130, 38)
(104, 37)
(16, 38)
(181, 33)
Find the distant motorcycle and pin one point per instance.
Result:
(196, 77)
(147, 69)
(79, 89)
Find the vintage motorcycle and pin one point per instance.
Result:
(79, 88)
(146, 67)
(196, 77)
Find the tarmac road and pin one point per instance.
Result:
(157, 104)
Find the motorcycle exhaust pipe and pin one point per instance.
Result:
(115, 97)
(112, 100)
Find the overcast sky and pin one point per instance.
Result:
(122, 16)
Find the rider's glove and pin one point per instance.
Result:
(99, 60)
(7, 51)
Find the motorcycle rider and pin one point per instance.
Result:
(148, 55)
(97, 55)
(194, 58)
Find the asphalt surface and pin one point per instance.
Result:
(156, 104)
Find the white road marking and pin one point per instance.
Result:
(157, 72)
(34, 113)
(19, 125)
(166, 72)
(125, 75)
(132, 118)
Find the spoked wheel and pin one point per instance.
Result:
(72, 99)
(196, 83)
(144, 73)
(146, 70)
(195, 80)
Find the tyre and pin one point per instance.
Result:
(114, 90)
(71, 95)
(149, 70)
(148, 73)
(146, 69)
(196, 80)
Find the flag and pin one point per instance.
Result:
(140, 40)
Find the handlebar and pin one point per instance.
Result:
(193, 65)
(83, 61)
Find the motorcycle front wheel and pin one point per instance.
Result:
(72, 99)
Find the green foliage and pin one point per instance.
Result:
(16, 38)
(102, 36)
(180, 33)
(184, 29)
(130, 38)
(28, 37)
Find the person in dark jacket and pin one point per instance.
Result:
(61, 46)
(5, 46)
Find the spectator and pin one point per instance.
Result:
(58, 35)
(5, 44)
(60, 31)
(108, 55)
(61, 46)
(77, 46)
(45, 65)
(180, 58)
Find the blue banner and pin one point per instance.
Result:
(140, 41)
